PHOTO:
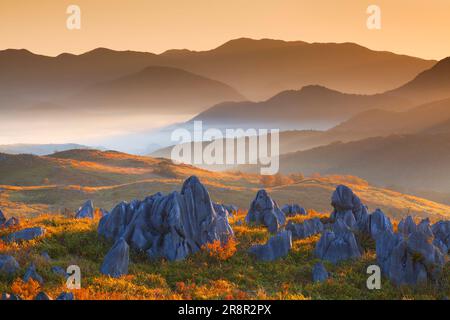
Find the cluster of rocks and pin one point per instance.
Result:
(291, 210)
(305, 229)
(10, 267)
(414, 255)
(8, 223)
(265, 211)
(169, 226)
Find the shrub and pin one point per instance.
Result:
(26, 290)
(221, 251)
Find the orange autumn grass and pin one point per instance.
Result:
(221, 251)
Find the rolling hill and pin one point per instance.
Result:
(30, 185)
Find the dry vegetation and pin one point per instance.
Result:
(213, 273)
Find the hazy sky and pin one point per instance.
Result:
(416, 27)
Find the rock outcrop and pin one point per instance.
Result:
(291, 210)
(265, 211)
(86, 211)
(12, 222)
(117, 260)
(66, 296)
(31, 273)
(10, 296)
(407, 226)
(379, 223)
(338, 244)
(305, 229)
(8, 265)
(410, 258)
(42, 296)
(26, 234)
(277, 247)
(169, 226)
(345, 202)
(319, 273)
(2, 218)
(441, 231)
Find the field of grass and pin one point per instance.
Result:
(201, 276)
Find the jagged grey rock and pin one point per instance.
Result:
(305, 229)
(345, 201)
(441, 231)
(42, 296)
(337, 244)
(277, 247)
(59, 271)
(66, 296)
(46, 256)
(410, 258)
(117, 260)
(169, 226)
(26, 234)
(265, 211)
(12, 222)
(2, 218)
(379, 223)
(231, 208)
(291, 210)
(319, 273)
(10, 296)
(86, 211)
(31, 273)
(8, 265)
(407, 226)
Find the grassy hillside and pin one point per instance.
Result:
(201, 276)
(110, 177)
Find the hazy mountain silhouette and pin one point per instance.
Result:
(420, 161)
(256, 68)
(384, 122)
(430, 85)
(312, 107)
(38, 149)
(261, 68)
(158, 89)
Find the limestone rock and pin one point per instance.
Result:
(31, 273)
(66, 296)
(86, 211)
(12, 222)
(264, 211)
(8, 265)
(410, 258)
(345, 201)
(117, 260)
(291, 210)
(2, 218)
(319, 274)
(441, 231)
(277, 247)
(407, 226)
(305, 229)
(42, 296)
(338, 244)
(169, 226)
(26, 234)
(379, 223)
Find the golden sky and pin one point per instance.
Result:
(415, 27)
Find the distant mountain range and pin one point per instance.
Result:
(158, 89)
(39, 149)
(316, 107)
(415, 162)
(257, 69)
